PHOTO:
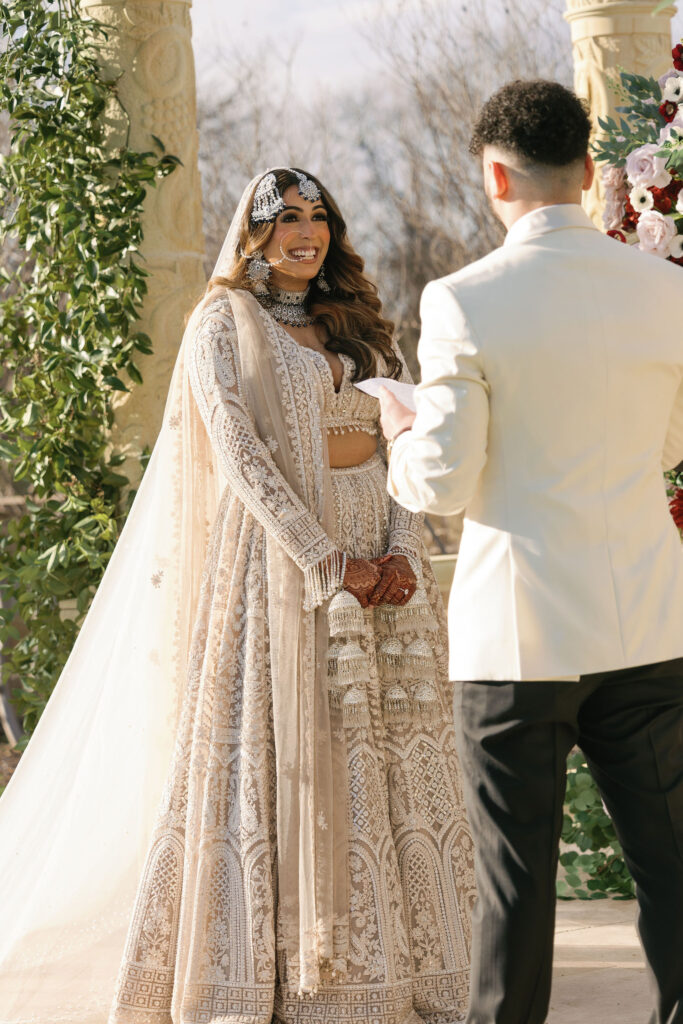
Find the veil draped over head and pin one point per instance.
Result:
(77, 817)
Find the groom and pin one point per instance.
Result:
(551, 400)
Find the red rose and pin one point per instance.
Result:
(678, 262)
(668, 110)
(663, 201)
(677, 54)
(631, 217)
(619, 235)
(676, 503)
(673, 188)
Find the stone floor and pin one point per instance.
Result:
(599, 975)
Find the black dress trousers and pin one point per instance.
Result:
(513, 739)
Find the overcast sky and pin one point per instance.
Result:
(331, 39)
(328, 37)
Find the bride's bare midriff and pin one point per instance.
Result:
(350, 448)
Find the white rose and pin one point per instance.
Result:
(641, 198)
(679, 204)
(614, 183)
(613, 177)
(613, 214)
(644, 168)
(676, 248)
(656, 232)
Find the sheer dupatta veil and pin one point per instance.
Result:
(77, 817)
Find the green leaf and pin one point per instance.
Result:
(116, 383)
(134, 373)
(31, 415)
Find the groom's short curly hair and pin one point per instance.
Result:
(540, 122)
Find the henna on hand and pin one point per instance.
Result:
(361, 578)
(398, 582)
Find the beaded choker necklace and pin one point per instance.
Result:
(287, 307)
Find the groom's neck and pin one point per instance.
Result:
(509, 213)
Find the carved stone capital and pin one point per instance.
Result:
(150, 47)
(608, 35)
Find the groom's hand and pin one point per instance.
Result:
(395, 417)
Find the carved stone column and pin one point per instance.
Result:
(150, 43)
(608, 35)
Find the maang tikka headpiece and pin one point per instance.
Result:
(268, 201)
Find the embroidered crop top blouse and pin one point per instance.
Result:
(348, 408)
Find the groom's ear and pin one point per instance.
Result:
(589, 173)
(499, 183)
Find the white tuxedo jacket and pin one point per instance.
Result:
(551, 398)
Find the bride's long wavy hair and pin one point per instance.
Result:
(351, 311)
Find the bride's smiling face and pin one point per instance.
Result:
(299, 243)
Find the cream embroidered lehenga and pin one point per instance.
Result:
(242, 802)
(409, 851)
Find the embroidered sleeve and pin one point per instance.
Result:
(405, 528)
(246, 459)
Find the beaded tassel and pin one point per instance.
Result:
(415, 616)
(419, 660)
(336, 696)
(391, 657)
(387, 613)
(323, 579)
(352, 664)
(345, 614)
(396, 704)
(353, 661)
(426, 701)
(332, 655)
(355, 708)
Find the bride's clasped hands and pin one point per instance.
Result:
(376, 581)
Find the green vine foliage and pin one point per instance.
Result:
(69, 299)
(639, 121)
(594, 867)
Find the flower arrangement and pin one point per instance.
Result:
(643, 180)
(643, 158)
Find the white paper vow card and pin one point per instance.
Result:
(404, 392)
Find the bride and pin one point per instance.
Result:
(242, 802)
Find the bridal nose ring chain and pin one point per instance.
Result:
(284, 254)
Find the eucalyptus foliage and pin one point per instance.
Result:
(594, 866)
(69, 300)
(639, 121)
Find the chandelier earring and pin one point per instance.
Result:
(258, 272)
(321, 281)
